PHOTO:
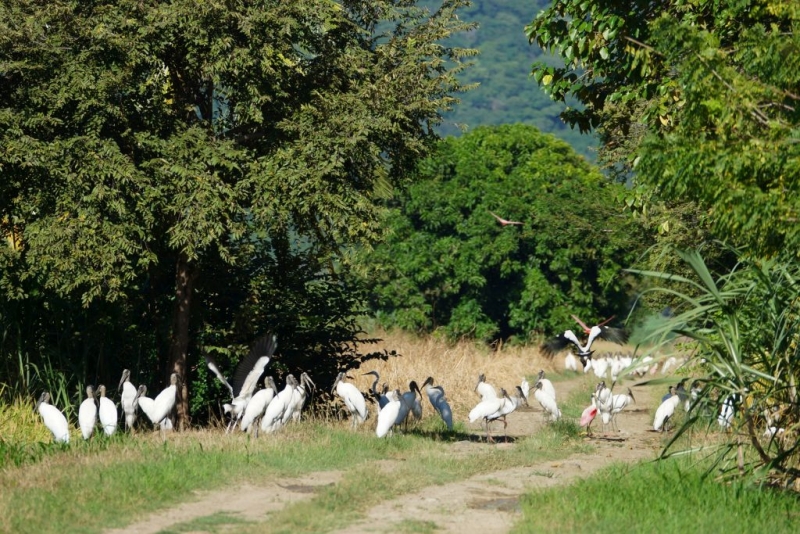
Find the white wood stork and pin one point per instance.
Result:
(600, 331)
(485, 409)
(618, 403)
(525, 387)
(53, 419)
(380, 397)
(299, 400)
(352, 398)
(484, 389)
(129, 399)
(570, 362)
(87, 414)
(664, 412)
(164, 402)
(387, 416)
(246, 378)
(547, 402)
(107, 412)
(148, 407)
(273, 417)
(508, 406)
(438, 401)
(258, 404)
(547, 386)
(411, 404)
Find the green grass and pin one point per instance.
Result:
(669, 496)
(362, 488)
(89, 487)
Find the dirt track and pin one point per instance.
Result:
(487, 503)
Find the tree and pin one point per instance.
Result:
(144, 141)
(449, 264)
(700, 98)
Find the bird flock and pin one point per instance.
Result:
(268, 409)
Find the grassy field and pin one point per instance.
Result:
(667, 496)
(114, 482)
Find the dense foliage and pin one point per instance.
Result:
(179, 176)
(700, 97)
(449, 264)
(746, 329)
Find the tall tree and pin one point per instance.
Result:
(450, 264)
(146, 137)
(699, 98)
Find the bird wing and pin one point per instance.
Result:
(553, 346)
(614, 335)
(214, 369)
(252, 366)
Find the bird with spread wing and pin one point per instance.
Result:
(246, 378)
(553, 346)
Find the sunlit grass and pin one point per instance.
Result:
(92, 488)
(667, 496)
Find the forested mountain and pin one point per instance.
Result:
(507, 94)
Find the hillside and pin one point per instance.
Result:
(507, 93)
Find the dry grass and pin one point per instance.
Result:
(453, 366)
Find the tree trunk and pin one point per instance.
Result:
(179, 343)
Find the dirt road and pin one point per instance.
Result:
(485, 504)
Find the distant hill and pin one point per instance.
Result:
(507, 93)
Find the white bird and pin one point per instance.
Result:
(107, 412)
(525, 387)
(727, 410)
(616, 367)
(438, 401)
(164, 402)
(618, 403)
(381, 398)
(484, 389)
(87, 414)
(508, 405)
(273, 417)
(245, 379)
(547, 402)
(547, 386)
(570, 362)
(258, 404)
(352, 398)
(664, 412)
(600, 367)
(387, 416)
(600, 331)
(694, 394)
(485, 409)
(148, 405)
(411, 404)
(299, 400)
(128, 399)
(604, 403)
(53, 419)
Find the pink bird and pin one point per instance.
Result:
(503, 222)
(588, 416)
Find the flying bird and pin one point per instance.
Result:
(504, 222)
(600, 331)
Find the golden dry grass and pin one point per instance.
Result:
(454, 366)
